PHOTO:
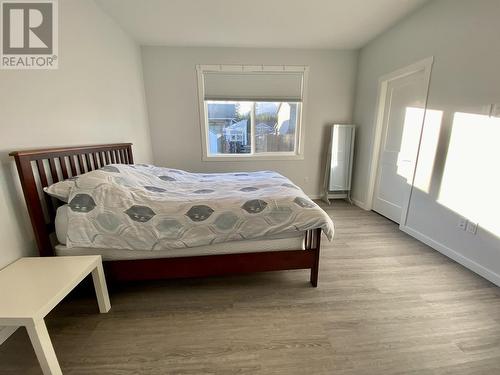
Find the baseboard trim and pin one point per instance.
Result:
(360, 204)
(6, 332)
(457, 257)
(314, 196)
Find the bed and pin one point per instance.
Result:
(39, 169)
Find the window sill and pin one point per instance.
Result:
(263, 157)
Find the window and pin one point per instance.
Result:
(236, 127)
(251, 112)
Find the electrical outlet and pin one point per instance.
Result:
(471, 227)
(462, 223)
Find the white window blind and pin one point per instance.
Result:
(279, 86)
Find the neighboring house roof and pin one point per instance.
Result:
(238, 126)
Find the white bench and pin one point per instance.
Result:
(31, 287)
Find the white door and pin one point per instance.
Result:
(401, 129)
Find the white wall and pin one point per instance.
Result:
(172, 98)
(462, 35)
(96, 96)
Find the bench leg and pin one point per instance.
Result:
(101, 290)
(43, 348)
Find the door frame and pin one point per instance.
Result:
(424, 65)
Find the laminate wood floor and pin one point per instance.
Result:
(386, 304)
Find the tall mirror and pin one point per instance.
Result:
(338, 171)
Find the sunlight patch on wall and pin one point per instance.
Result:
(410, 145)
(409, 141)
(471, 178)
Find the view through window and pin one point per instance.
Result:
(251, 127)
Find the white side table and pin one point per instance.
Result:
(31, 287)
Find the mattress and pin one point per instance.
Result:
(293, 241)
(234, 247)
(144, 207)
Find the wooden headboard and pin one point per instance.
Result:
(40, 168)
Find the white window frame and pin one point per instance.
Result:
(298, 154)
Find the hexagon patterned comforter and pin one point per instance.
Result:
(143, 207)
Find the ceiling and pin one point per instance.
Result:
(343, 24)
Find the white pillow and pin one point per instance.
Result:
(61, 190)
(61, 224)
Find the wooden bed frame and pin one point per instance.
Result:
(40, 168)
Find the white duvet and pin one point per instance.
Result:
(143, 207)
